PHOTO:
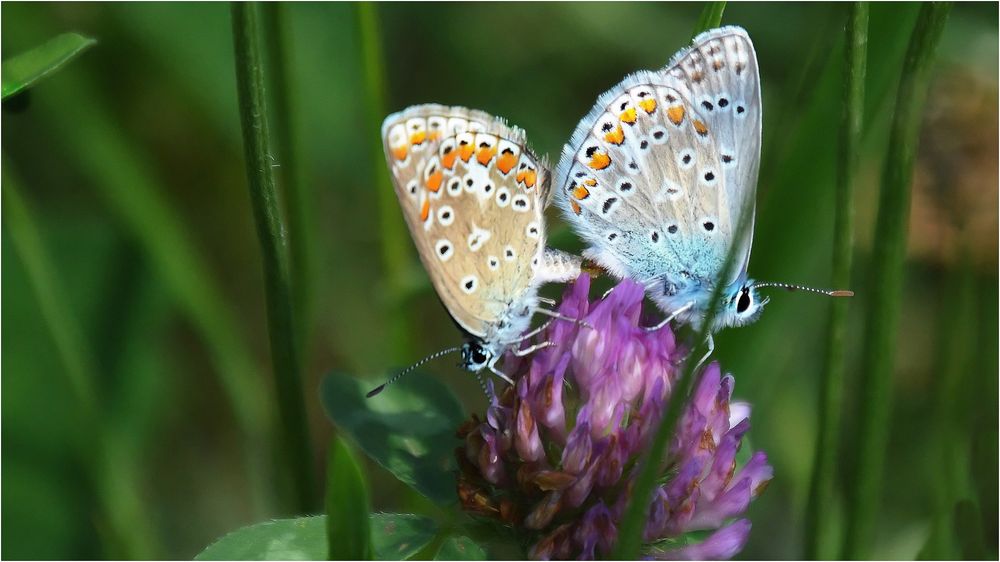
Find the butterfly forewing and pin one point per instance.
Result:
(656, 175)
(720, 71)
(473, 196)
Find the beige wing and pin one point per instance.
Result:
(473, 196)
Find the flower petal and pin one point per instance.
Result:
(720, 545)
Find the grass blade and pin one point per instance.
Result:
(21, 71)
(711, 17)
(818, 513)
(395, 246)
(127, 184)
(949, 442)
(274, 253)
(348, 527)
(887, 280)
(124, 526)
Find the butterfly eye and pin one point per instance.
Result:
(744, 302)
(478, 355)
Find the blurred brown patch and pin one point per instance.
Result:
(956, 180)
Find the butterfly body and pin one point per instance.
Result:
(473, 195)
(659, 173)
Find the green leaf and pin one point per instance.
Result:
(457, 547)
(409, 429)
(21, 71)
(347, 507)
(396, 537)
(303, 538)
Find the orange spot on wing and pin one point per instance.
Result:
(434, 181)
(590, 181)
(465, 151)
(628, 116)
(599, 161)
(576, 208)
(506, 162)
(676, 114)
(616, 137)
(425, 210)
(580, 192)
(418, 138)
(486, 154)
(648, 104)
(448, 159)
(434, 135)
(529, 178)
(700, 127)
(399, 153)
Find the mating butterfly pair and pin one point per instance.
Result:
(655, 180)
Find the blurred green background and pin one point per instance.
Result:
(130, 161)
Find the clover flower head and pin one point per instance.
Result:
(555, 458)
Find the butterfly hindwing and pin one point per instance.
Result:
(473, 196)
(653, 179)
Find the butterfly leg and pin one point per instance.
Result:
(532, 349)
(546, 300)
(673, 315)
(500, 374)
(711, 348)
(530, 334)
(558, 316)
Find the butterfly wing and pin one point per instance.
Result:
(473, 196)
(657, 174)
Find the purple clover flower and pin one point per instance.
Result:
(555, 457)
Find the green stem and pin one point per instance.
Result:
(711, 17)
(295, 446)
(633, 521)
(395, 257)
(819, 515)
(126, 530)
(886, 282)
(297, 204)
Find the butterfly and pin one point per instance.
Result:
(474, 195)
(657, 176)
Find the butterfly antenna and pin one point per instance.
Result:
(399, 375)
(790, 287)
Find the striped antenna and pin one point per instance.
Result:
(790, 287)
(398, 375)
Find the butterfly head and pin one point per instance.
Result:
(743, 303)
(475, 356)
(742, 306)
